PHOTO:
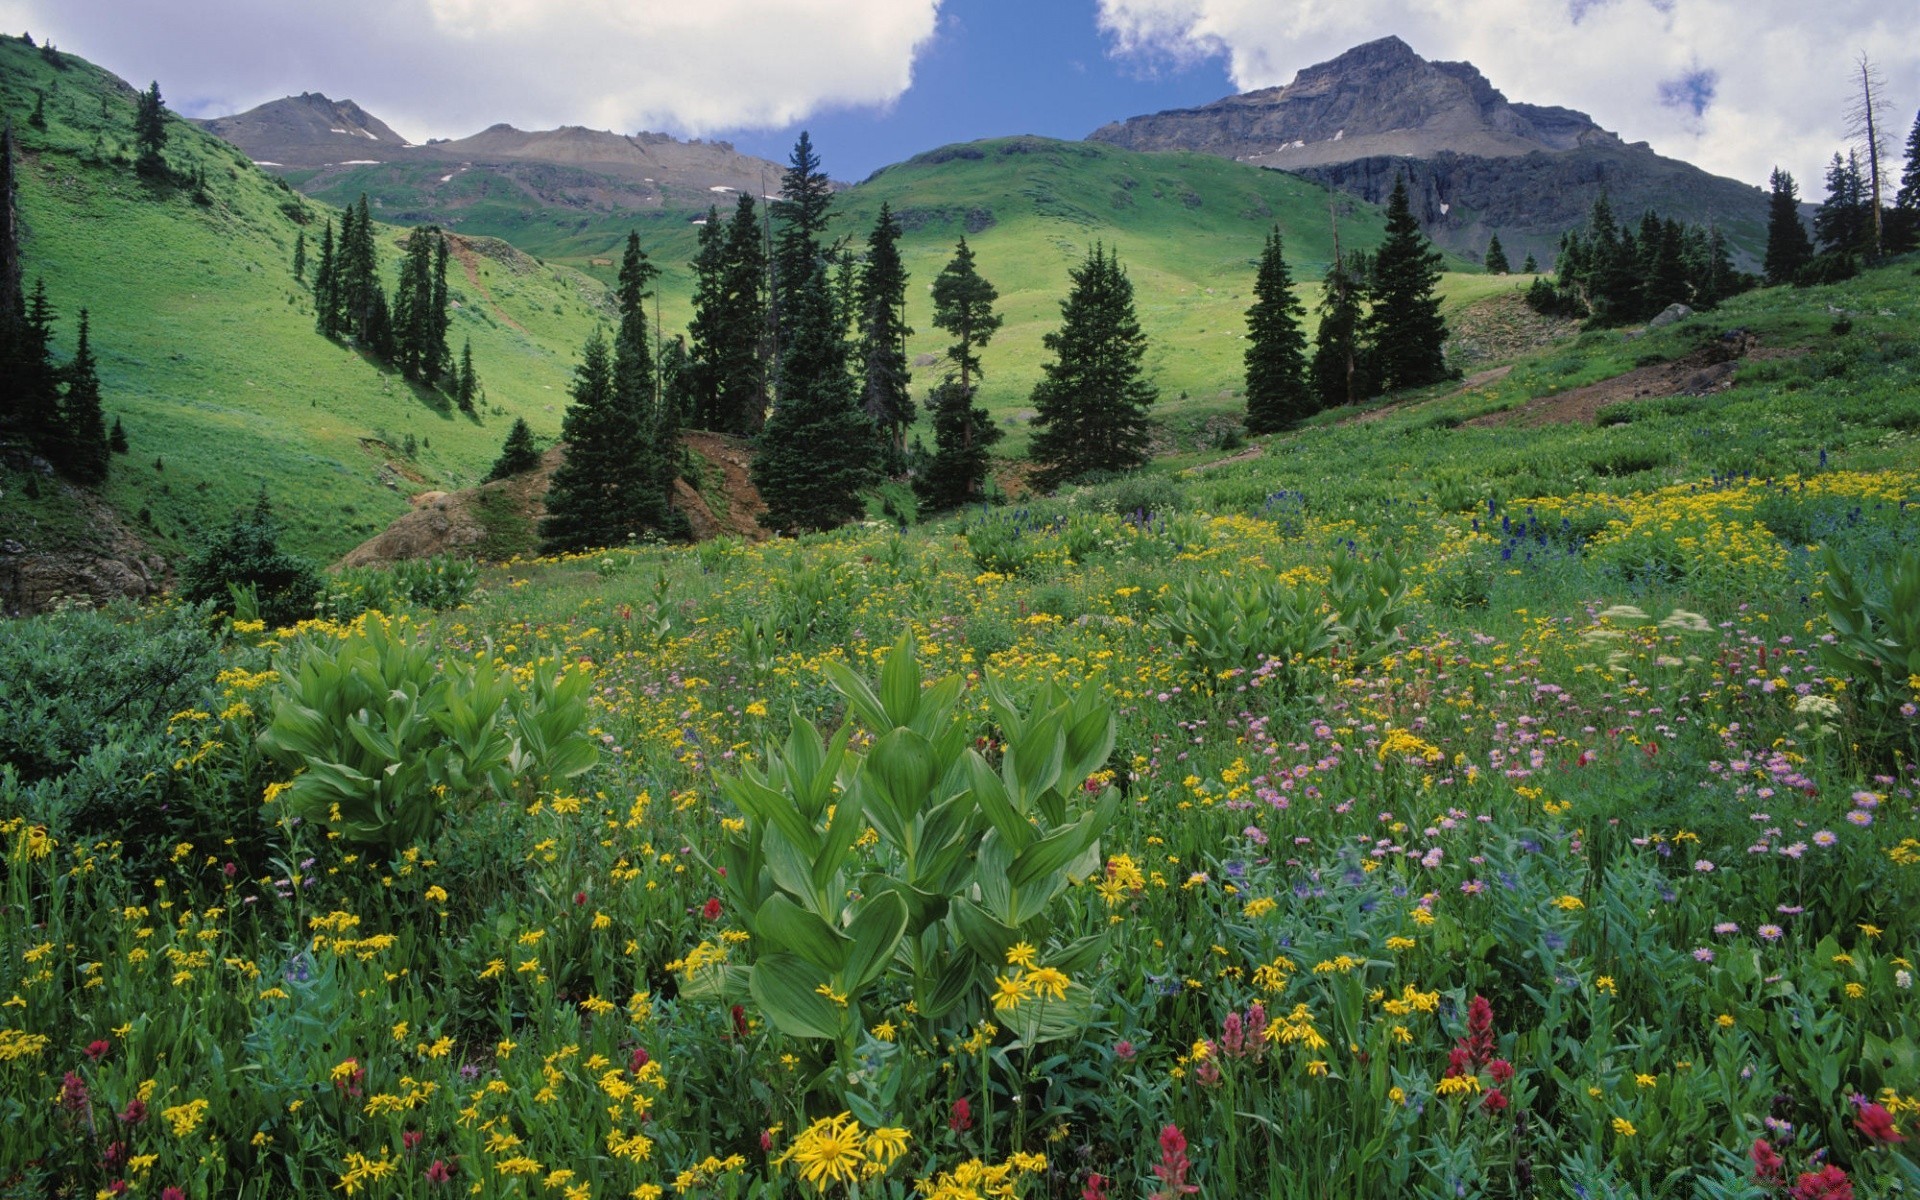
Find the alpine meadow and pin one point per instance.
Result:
(1359, 640)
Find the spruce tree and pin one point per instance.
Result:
(518, 454)
(1496, 260)
(413, 323)
(1664, 250)
(38, 118)
(1903, 219)
(1090, 408)
(300, 257)
(881, 303)
(150, 132)
(706, 327)
(581, 505)
(1404, 329)
(1339, 370)
(652, 464)
(247, 554)
(1788, 247)
(819, 450)
(962, 431)
(466, 388)
(1278, 395)
(79, 444)
(1717, 277)
(35, 378)
(117, 438)
(801, 212)
(1844, 223)
(1530, 267)
(326, 287)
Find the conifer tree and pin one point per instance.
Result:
(881, 304)
(117, 438)
(38, 118)
(962, 431)
(326, 287)
(1278, 395)
(1091, 405)
(150, 132)
(439, 319)
(466, 388)
(1339, 370)
(581, 506)
(519, 453)
(1404, 329)
(710, 313)
(653, 438)
(1531, 266)
(300, 257)
(1663, 247)
(819, 450)
(1903, 222)
(1788, 247)
(247, 554)
(79, 443)
(413, 318)
(1496, 260)
(1844, 223)
(363, 310)
(1717, 277)
(36, 380)
(801, 211)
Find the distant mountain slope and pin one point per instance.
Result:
(542, 189)
(1480, 163)
(206, 341)
(307, 130)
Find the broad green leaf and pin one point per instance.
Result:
(786, 988)
(784, 925)
(876, 933)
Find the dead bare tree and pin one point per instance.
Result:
(1865, 118)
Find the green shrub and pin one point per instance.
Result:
(1876, 643)
(437, 584)
(247, 555)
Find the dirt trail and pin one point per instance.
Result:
(741, 500)
(1479, 379)
(1705, 371)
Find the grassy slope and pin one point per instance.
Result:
(206, 341)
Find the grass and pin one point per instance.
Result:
(206, 342)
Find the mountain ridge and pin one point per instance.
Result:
(1477, 162)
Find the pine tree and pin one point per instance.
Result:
(1844, 223)
(653, 448)
(1496, 260)
(1663, 246)
(706, 327)
(1339, 371)
(247, 554)
(962, 431)
(439, 320)
(300, 257)
(79, 443)
(1788, 247)
(818, 450)
(801, 211)
(363, 310)
(1716, 278)
(727, 374)
(150, 132)
(35, 378)
(518, 454)
(580, 504)
(466, 388)
(881, 303)
(1090, 409)
(1903, 222)
(38, 118)
(117, 438)
(326, 287)
(1404, 329)
(1530, 267)
(1278, 395)
(413, 323)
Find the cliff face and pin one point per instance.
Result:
(1478, 164)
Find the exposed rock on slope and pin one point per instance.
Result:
(101, 562)
(1477, 163)
(308, 130)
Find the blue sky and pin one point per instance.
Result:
(998, 67)
(1734, 86)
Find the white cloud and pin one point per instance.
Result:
(1780, 69)
(449, 67)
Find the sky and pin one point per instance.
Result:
(1734, 86)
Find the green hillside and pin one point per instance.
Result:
(206, 342)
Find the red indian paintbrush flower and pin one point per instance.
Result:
(1877, 1124)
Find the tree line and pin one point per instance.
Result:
(1857, 222)
(1619, 273)
(54, 407)
(408, 333)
